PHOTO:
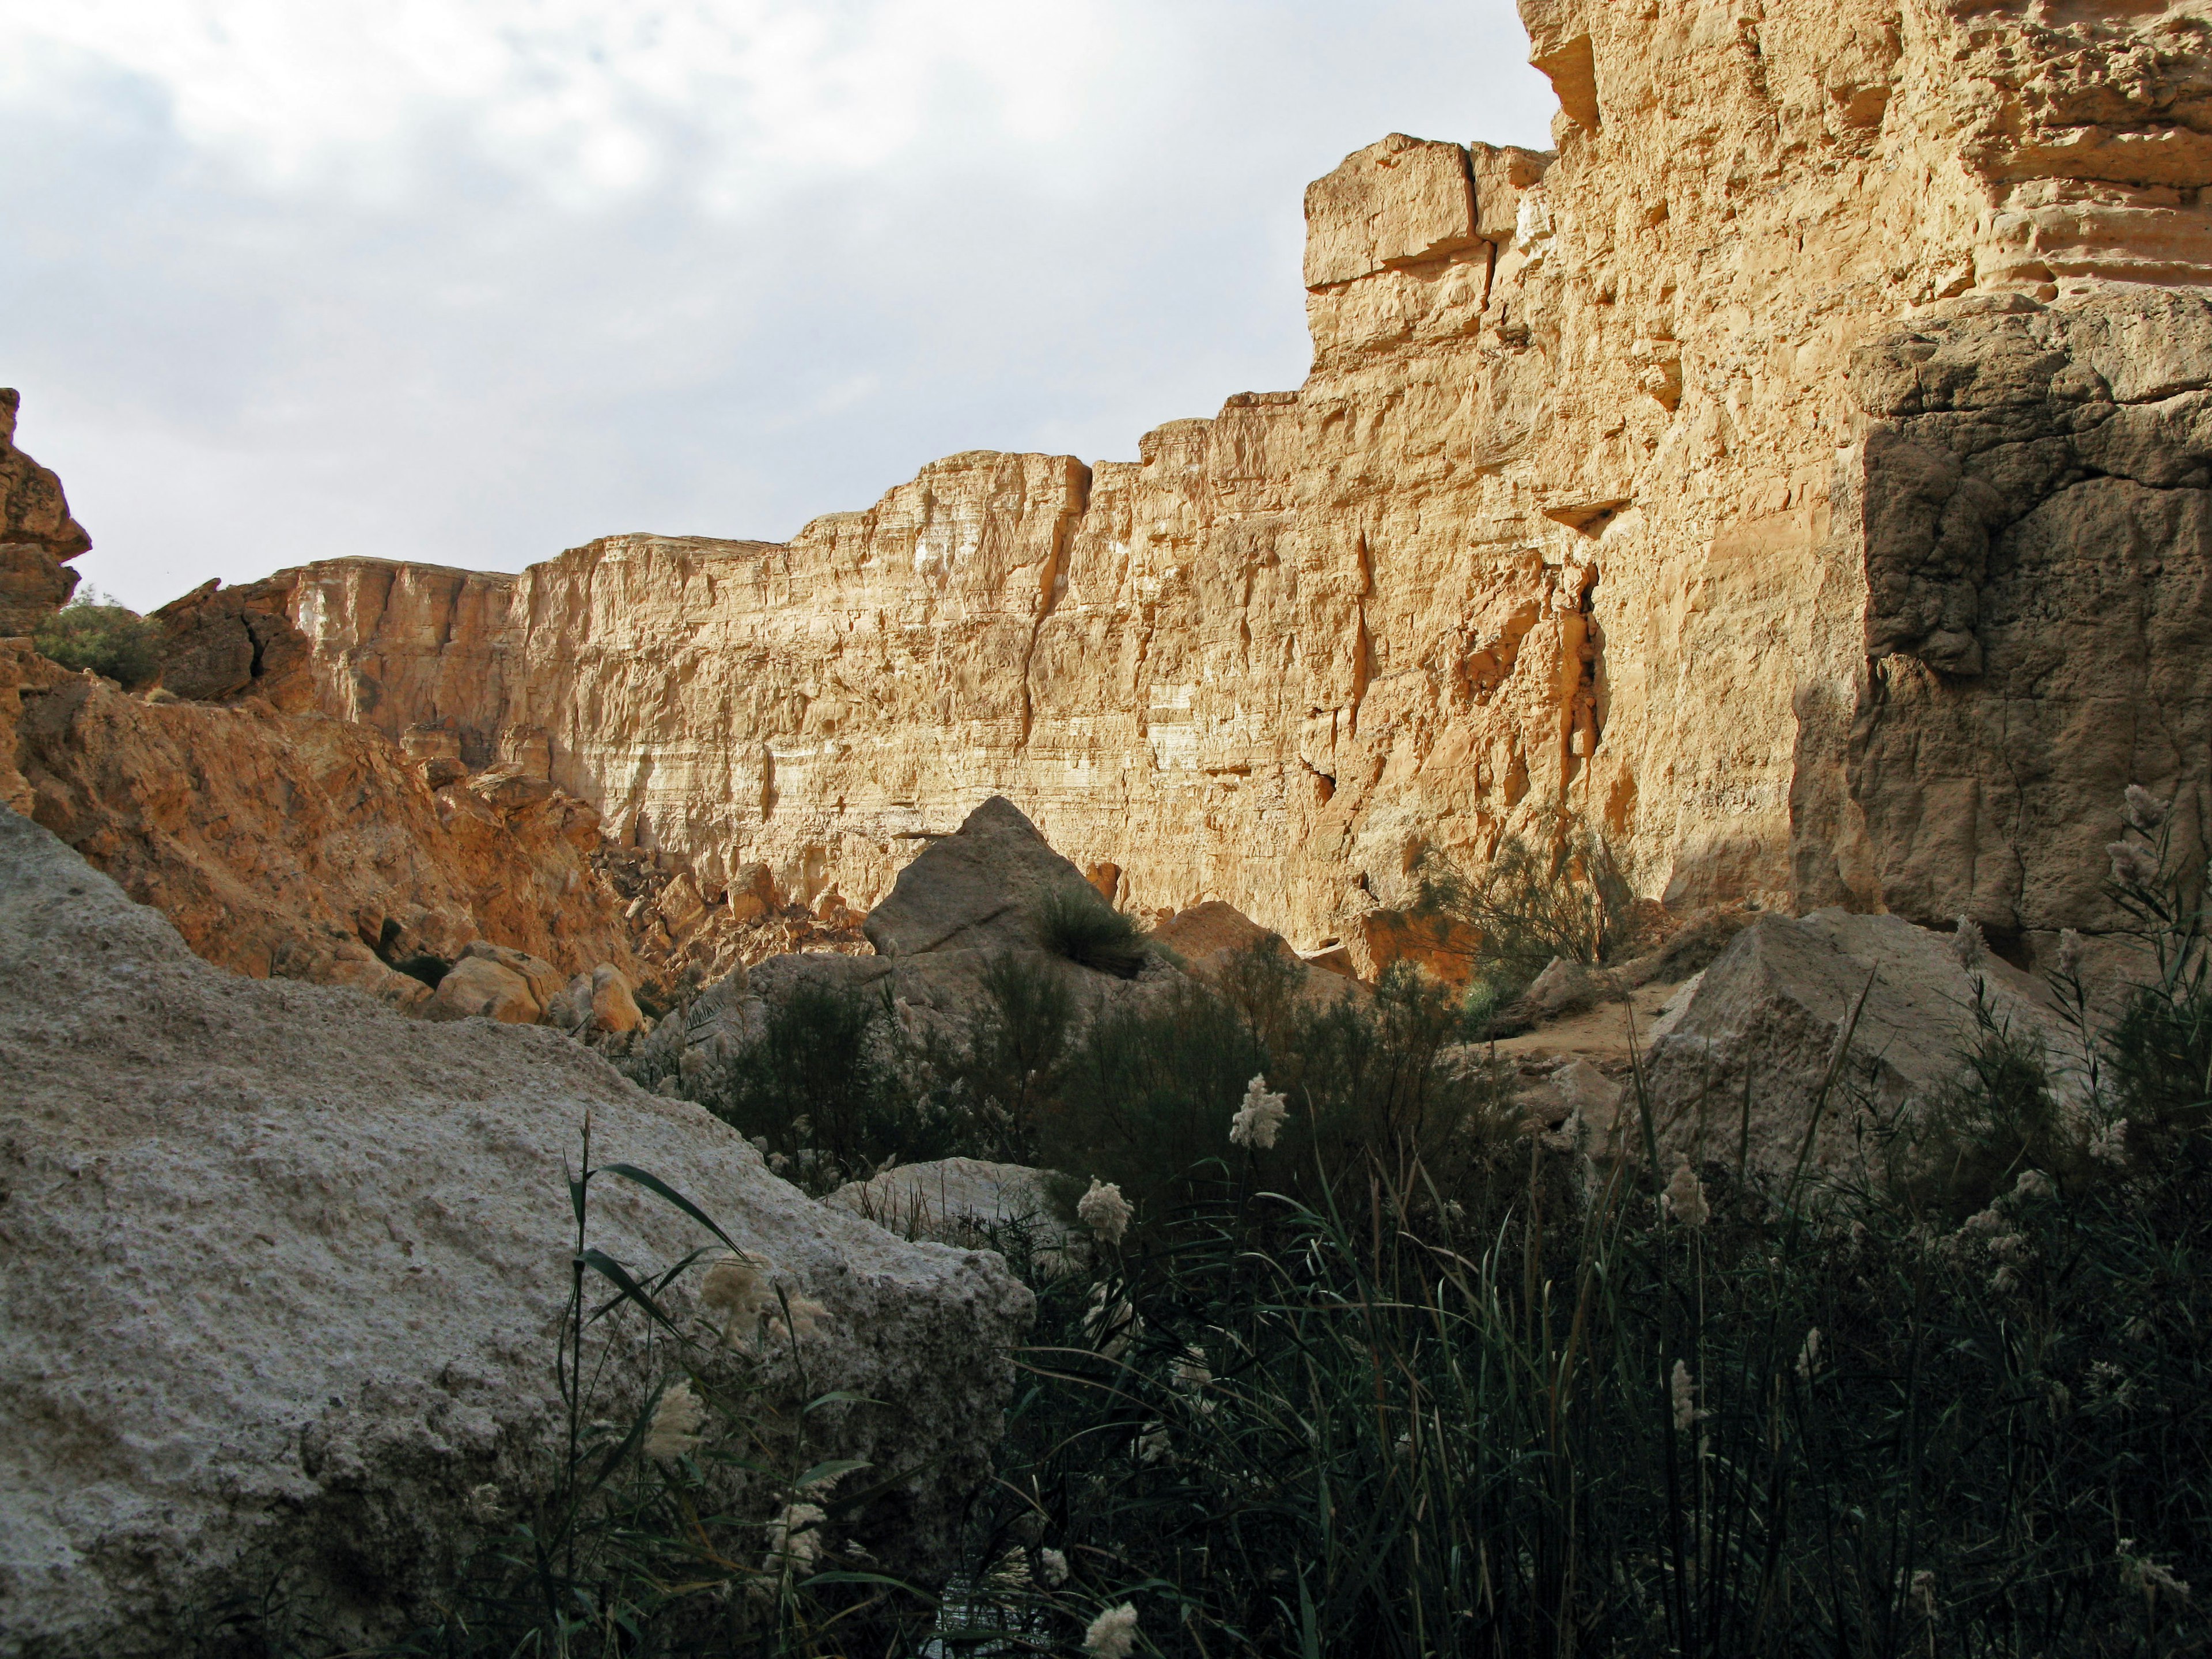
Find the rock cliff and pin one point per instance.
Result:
(38, 537)
(1798, 471)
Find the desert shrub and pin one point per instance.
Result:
(820, 1085)
(1148, 1096)
(93, 632)
(999, 1072)
(1556, 891)
(1075, 923)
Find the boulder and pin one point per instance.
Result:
(976, 888)
(479, 987)
(959, 1200)
(545, 980)
(613, 1007)
(285, 1268)
(1764, 1023)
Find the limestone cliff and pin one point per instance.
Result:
(1799, 471)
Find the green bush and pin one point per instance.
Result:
(819, 1086)
(92, 632)
(1076, 923)
(1557, 891)
(1147, 1097)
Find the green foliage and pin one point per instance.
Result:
(1076, 923)
(94, 633)
(821, 1086)
(1555, 892)
(1147, 1098)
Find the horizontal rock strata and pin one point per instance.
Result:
(1591, 499)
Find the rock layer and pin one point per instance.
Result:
(1601, 493)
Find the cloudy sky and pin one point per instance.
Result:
(472, 281)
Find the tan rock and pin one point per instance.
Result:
(38, 537)
(478, 986)
(613, 1007)
(1607, 463)
(291, 846)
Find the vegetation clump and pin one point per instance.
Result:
(1079, 924)
(94, 632)
(1350, 1361)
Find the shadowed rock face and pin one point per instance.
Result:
(1588, 499)
(38, 537)
(284, 1270)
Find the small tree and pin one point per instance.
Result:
(1556, 892)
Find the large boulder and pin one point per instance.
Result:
(976, 890)
(285, 1268)
(1739, 1058)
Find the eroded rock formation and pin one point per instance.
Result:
(38, 537)
(1654, 476)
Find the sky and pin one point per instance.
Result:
(474, 280)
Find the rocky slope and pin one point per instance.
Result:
(1654, 476)
(276, 1340)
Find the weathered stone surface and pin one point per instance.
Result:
(1762, 1027)
(958, 1200)
(479, 987)
(296, 846)
(284, 1270)
(613, 1006)
(1597, 494)
(976, 890)
(2036, 513)
(38, 537)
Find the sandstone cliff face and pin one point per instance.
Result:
(1602, 493)
(38, 537)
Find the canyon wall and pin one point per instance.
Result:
(1799, 471)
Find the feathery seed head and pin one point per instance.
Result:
(1685, 1197)
(674, 1426)
(1258, 1119)
(1684, 1394)
(2132, 865)
(1968, 944)
(2143, 809)
(1113, 1633)
(1104, 1210)
(1054, 1565)
(2069, 952)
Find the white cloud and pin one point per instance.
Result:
(473, 282)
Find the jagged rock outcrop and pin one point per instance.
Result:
(284, 1274)
(38, 537)
(296, 846)
(1600, 493)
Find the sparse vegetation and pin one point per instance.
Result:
(1397, 1378)
(1555, 891)
(94, 632)
(1078, 924)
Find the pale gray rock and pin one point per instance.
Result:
(284, 1269)
(957, 1201)
(975, 890)
(1764, 1022)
